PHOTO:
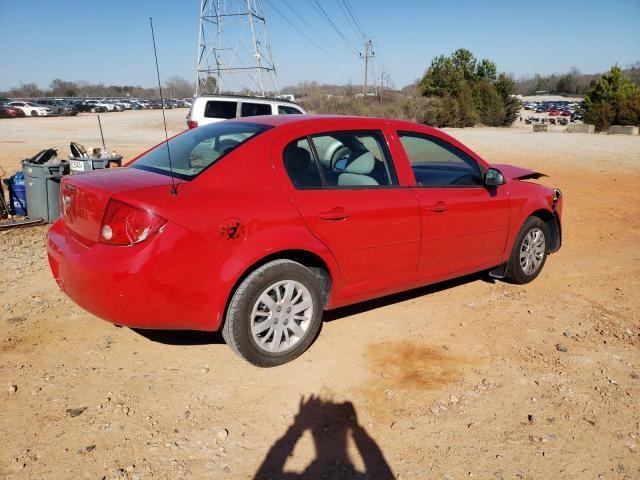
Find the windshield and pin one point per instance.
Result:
(195, 150)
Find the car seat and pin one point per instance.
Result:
(301, 167)
(358, 171)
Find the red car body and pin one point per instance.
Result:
(10, 112)
(244, 210)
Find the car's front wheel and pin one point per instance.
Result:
(529, 251)
(34, 113)
(274, 314)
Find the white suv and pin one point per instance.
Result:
(215, 108)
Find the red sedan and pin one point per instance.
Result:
(257, 226)
(10, 112)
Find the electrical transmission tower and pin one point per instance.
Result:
(234, 55)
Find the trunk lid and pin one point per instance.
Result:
(84, 197)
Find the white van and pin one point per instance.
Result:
(215, 108)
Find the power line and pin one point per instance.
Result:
(355, 17)
(309, 39)
(351, 17)
(303, 20)
(324, 14)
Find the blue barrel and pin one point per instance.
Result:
(17, 194)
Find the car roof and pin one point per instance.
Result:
(303, 120)
(247, 97)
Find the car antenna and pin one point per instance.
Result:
(174, 187)
(104, 147)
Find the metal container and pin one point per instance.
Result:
(88, 164)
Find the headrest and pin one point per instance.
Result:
(362, 164)
(297, 158)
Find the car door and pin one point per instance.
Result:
(345, 187)
(464, 224)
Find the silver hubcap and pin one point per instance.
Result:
(532, 251)
(282, 315)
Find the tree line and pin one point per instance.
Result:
(174, 87)
(574, 82)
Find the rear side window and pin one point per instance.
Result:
(345, 159)
(300, 165)
(354, 159)
(287, 110)
(220, 109)
(437, 163)
(253, 109)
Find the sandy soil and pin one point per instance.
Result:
(468, 378)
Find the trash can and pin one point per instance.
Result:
(81, 165)
(42, 183)
(17, 195)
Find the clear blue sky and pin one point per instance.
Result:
(109, 41)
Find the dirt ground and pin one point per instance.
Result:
(467, 378)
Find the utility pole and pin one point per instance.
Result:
(368, 53)
(234, 54)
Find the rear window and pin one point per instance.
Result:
(220, 109)
(253, 109)
(195, 150)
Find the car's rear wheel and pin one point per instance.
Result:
(274, 314)
(529, 251)
(34, 113)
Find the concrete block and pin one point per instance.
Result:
(620, 130)
(541, 127)
(581, 128)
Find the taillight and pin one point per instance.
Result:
(192, 124)
(123, 224)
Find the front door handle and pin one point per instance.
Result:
(439, 207)
(337, 213)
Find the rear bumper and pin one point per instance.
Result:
(167, 282)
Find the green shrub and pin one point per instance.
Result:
(612, 100)
(479, 93)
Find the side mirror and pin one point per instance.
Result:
(493, 178)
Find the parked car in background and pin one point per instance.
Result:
(31, 109)
(10, 112)
(274, 219)
(113, 105)
(58, 107)
(93, 106)
(208, 109)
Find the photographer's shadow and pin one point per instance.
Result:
(330, 425)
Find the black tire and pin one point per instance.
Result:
(34, 113)
(515, 272)
(237, 326)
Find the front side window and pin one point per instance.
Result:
(254, 109)
(220, 109)
(197, 149)
(437, 163)
(354, 159)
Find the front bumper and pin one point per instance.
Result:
(167, 282)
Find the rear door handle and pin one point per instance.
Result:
(439, 207)
(337, 213)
